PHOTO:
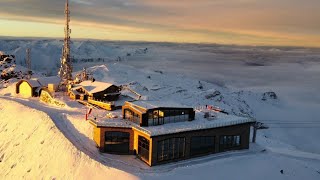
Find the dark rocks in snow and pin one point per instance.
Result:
(181, 91)
(269, 95)
(145, 88)
(149, 77)
(119, 59)
(14, 165)
(1, 158)
(200, 85)
(158, 71)
(133, 83)
(213, 95)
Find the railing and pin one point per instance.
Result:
(210, 108)
(102, 104)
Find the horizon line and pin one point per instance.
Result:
(146, 41)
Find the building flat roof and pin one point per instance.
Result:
(156, 104)
(200, 123)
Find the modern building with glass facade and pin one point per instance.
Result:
(159, 133)
(144, 113)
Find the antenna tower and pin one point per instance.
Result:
(28, 62)
(65, 71)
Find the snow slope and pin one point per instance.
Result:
(33, 147)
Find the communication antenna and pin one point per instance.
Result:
(65, 71)
(28, 62)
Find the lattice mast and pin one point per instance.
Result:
(28, 59)
(28, 62)
(66, 64)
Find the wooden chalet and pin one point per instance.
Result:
(95, 90)
(28, 88)
(33, 87)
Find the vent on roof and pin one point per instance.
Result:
(210, 115)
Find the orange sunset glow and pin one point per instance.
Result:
(248, 22)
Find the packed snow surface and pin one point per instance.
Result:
(32, 147)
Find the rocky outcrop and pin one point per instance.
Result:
(213, 95)
(269, 96)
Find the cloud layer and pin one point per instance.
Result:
(287, 22)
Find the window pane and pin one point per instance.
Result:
(229, 142)
(202, 145)
(171, 149)
(143, 148)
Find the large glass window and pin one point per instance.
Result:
(159, 117)
(117, 142)
(202, 145)
(143, 148)
(169, 149)
(131, 116)
(229, 142)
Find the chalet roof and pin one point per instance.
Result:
(33, 82)
(94, 87)
(49, 80)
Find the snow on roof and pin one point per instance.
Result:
(49, 80)
(34, 82)
(94, 87)
(156, 104)
(200, 123)
(115, 123)
(222, 120)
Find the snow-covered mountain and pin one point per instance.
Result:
(276, 85)
(45, 54)
(9, 71)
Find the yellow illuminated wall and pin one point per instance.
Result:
(25, 89)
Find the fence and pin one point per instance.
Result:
(102, 104)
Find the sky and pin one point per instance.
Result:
(247, 22)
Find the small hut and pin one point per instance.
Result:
(28, 88)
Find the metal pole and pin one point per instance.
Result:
(254, 133)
